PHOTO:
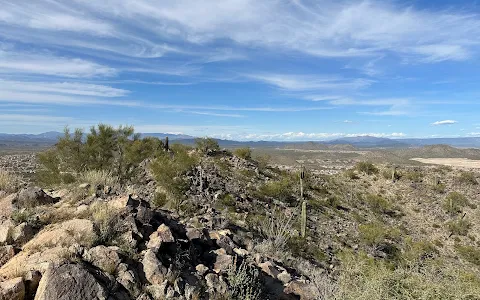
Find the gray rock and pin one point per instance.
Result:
(13, 289)
(32, 279)
(162, 235)
(201, 269)
(6, 231)
(6, 253)
(22, 233)
(33, 196)
(70, 281)
(155, 271)
(216, 284)
(104, 258)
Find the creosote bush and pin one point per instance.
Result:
(8, 182)
(467, 178)
(455, 202)
(117, 151)
(366, 167)
(459, 227)
(207, 145)
(245, 153)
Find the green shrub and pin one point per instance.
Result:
(351, 174)
(207, 145)
(366, 167)
(439, 188)
(454, 203)
(415, 176)
(8, 181)
(469, 253)
(459, 227)
(467, 178)
(377, 203)
(170, 170)
(160, 199)
(115, 150)
(278, 189)
(373, 234)
(245, 153)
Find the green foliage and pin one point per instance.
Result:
(116, 150)
(245, 153)
(207, 145)
(377, 203)
(373, 234)
(170, 170)
(351, 174)
(414, 176)
(263, 161)
(467, 178)
(160, 199)
(243, 282)
(300, 247)
(278, 189)
(454, 203)
(366, 167)
(459, 227)
(439, 188)
(469, 253)
(361, 277)
(226, 201)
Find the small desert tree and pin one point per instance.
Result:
(207, 145)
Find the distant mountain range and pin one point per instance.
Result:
(49, 138)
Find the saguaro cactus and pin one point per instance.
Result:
(394, 173)
(304, 204)
(166, 144)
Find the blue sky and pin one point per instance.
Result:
(242, 69)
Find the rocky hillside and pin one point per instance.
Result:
(205, 223)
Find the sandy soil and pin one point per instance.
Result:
(454, 162)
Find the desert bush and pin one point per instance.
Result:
(160, 199)
(439, 188)
(366, 167)
(263, 161)
(377, 203)
(170, 169)
(467, 178)
(277, 230)
(362, 277)
(351, 174)
(414, 176)
(469, 253)
(373, 234)
(243, 281)
(459, 227)
(107, 224)
(207, 145)
(98, 177)
(8, 182)
(455, 202)
(245, 153)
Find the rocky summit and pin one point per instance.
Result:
(146, 220)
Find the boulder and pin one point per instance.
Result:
(222, 261)
(201, 269)
(70, 281)
(6, 228)
(22, 233)
(13, 289)
(104, 258)
(6, 253)
(162, 235)
(155, 271)
(32, 279)
(33, 196)
(64, 234)
(301, 289)
(6, 206)
(216, 283)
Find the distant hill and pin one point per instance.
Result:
(369, 142)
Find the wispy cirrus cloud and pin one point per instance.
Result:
(444, 122)
(21, 62)
(303, 136)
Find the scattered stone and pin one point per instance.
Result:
(201, 269)
(222, 263)
(22, 233)
(70, 281)
(303, 290)
(162, 235)
(6, 253)
(284, 277)
(155, 271)
(269, 268)
(6, 231)
(104, 258)
(216, 284)
(32, 279)
(33, 196)
(13, 289)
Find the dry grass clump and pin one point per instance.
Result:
(99, 177)
(8, 182)
(364, 278)
(107, 223)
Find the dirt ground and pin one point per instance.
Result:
(454, 162)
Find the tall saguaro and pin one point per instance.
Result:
(304, 204)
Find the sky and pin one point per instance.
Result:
(242, 69)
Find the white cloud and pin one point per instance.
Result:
(71, 88)
(444, 122)
(309, 82)
(38, 98)
(46, 64)
(347, 121)
(322, 28)
(302, 136)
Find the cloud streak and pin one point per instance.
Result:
(444, 122)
